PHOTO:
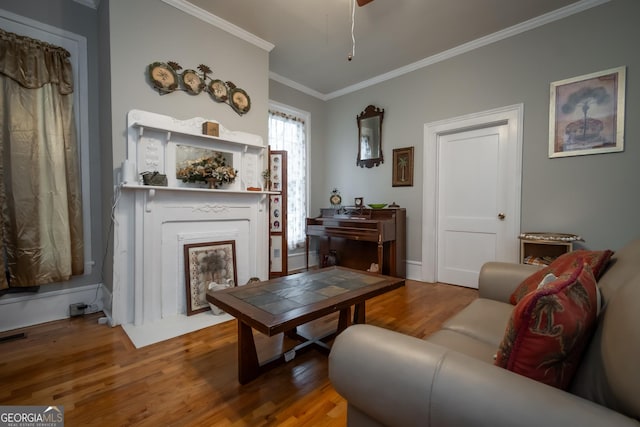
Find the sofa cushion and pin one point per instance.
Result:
(622, 269)
(464, 344)
(484, 319)
(550, 327)
(598, 261)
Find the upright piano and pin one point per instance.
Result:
(361, 237)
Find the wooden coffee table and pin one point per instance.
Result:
(281, 305)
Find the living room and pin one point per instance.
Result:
(592, 196)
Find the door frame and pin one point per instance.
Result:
(512, 116)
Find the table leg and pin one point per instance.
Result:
(343, 320)
(248, 365)
(358, 313)
(380, 256)
(292, 333)
(393, 269)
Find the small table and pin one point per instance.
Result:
(543, 248)
(280, 305)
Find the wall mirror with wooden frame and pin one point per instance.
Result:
(370, 137)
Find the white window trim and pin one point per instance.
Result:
(77, 47)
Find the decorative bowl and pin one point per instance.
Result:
(377, 205)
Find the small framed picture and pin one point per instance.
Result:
(206, 264)
(402, 167)
(358, 202)
(586, 114)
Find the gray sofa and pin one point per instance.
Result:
(449, 379)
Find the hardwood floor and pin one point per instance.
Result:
(101, 379)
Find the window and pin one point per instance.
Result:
(288, 130)
(76, 46)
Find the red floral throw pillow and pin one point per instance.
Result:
(550, 327)
(598, 261)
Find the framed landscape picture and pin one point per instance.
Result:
(402, 167)
(586, 114)
(206, 263)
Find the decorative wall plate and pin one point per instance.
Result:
(164, 77)
(218, 90)
(192, 82)
(239, 100)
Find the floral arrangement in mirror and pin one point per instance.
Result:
(213, 170)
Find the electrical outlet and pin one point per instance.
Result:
(77, 309)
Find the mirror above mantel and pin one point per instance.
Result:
(370, 137)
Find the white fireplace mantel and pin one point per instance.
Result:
(153, 223)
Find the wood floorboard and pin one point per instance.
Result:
(101, 379)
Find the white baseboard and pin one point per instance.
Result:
(107, 308)
(32, 309)
(298, 261)
(414, 270)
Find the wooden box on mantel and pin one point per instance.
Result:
(211, 129)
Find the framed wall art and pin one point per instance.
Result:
(586, 114)
(204, 264)
(402, 167)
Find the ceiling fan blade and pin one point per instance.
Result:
(363, 2)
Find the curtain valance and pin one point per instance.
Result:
(33, 63)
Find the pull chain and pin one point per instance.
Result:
(353, 37)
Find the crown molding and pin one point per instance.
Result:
(93, 4)
(295, 85)
(539, 21)
(218, 22)
(475, 44)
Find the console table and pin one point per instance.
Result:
(361, 237)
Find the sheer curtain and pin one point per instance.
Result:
(288, 132)
(40, 194)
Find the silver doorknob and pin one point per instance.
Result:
(501, 216)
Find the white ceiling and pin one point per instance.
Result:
(311, 39)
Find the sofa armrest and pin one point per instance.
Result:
(498, 280)
(398, 380)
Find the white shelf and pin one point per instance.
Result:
(154, 141)
(241, 138)
(129, 186)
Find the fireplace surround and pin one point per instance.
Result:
(153, 223)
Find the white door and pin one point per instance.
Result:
(472, 197)
(470, 202)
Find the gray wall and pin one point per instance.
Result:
(146, 31)
(593, 196)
